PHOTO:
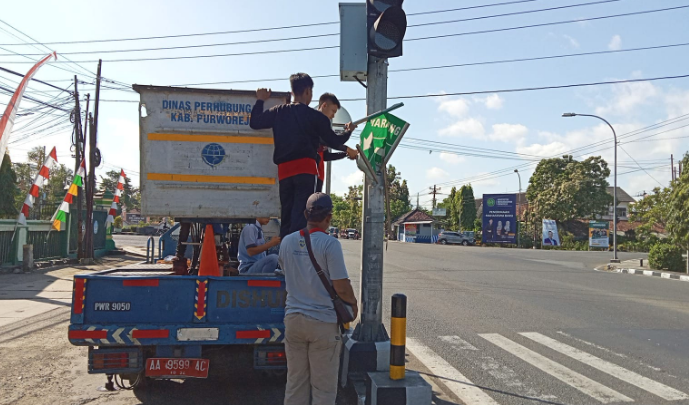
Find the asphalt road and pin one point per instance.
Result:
(507, 326)
(485, 326)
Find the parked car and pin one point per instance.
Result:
(456, 238)
(352, 233)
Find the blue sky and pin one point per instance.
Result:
(527, 123)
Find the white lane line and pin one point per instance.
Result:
(637, 380)
(461, 386)
(457, 342)
(570, 377)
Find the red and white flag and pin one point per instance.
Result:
(41, 178)
(7, 120)
(116, 199)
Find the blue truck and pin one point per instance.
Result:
(200, 164)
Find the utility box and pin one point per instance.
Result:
(353, 42)
(199, 157)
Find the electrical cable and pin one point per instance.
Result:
(259, 29)
(260, 41)
(625, 151)
(337, 46)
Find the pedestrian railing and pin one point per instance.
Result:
(6, 251)
(47, 245)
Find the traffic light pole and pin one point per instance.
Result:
(370, 327)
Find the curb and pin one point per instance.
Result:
(653, 274)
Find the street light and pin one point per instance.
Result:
(614, 192)
(518, 196)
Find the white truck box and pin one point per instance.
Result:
(199, 157)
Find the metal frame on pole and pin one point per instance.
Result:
(614, 190)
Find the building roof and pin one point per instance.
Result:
(622, 195)
(414, 215)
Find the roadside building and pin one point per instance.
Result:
(417, 227)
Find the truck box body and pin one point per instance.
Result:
(199, 157)
(145, 305)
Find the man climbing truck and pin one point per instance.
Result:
(200, 164)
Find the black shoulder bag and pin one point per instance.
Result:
(344, 311)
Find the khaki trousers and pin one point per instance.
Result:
(313, 360)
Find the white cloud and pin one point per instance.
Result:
(677, 103)
(469, 126)
(451, 158)
(353, 179)
(494, 102)
(615, 43)
(573, 42)
(436, 173)
(457, 108)
(628, 96)
(508, 132)
(544, 150)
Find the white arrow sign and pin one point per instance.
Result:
(116, 336)
(276, 334)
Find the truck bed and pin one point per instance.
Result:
(145, 304)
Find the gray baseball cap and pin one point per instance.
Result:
(319, 203)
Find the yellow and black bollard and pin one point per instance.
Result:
(398, 336)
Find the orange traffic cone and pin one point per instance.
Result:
(209, 259)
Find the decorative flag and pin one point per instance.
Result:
(380, 137)
(39, 182)
(116, 199)
(7, 120)
(60, 215)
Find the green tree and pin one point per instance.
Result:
(678, 204)
(564, 189)
(10, 191)
(347, 209)
(398, 191)
(450, 205)
(466, 207)
(651, 210)
(131, 197)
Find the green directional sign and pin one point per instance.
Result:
(380, 137)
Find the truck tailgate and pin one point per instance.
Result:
(114, 307)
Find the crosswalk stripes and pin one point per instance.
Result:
(614, 370)
(471, 394)
(455, 381)
(570, 377)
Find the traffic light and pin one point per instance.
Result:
(386, 23)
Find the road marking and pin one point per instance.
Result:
(461, 386)
(457, 342)
(510, 378)
(593, 345)
(570, 377)
(614, 370)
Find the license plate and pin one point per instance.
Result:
(177, 368)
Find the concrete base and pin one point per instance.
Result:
(614, 260)
(362, 357)
(381, 390)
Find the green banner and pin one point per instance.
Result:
(380, 137)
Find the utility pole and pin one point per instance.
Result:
(79, 139)
(417, 201)
(370, 327)
(434, 190)
(672, 167)
(91, 178)
(328, 176)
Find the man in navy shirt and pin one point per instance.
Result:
(298, 131)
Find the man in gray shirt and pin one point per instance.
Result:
(312, 335)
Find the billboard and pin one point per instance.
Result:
(599, 234)
(550, 236)
(439, 212)
(499, 218)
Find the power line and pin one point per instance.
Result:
(493, 62)
(35, 80)
(260, 41)
(10, 91)
(337, 46)
(258, 29)
(649, 175)
(564, 86)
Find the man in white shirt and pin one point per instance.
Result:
(253, 247)
(312, 335)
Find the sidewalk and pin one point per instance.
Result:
(635, 267)
(26, 295)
